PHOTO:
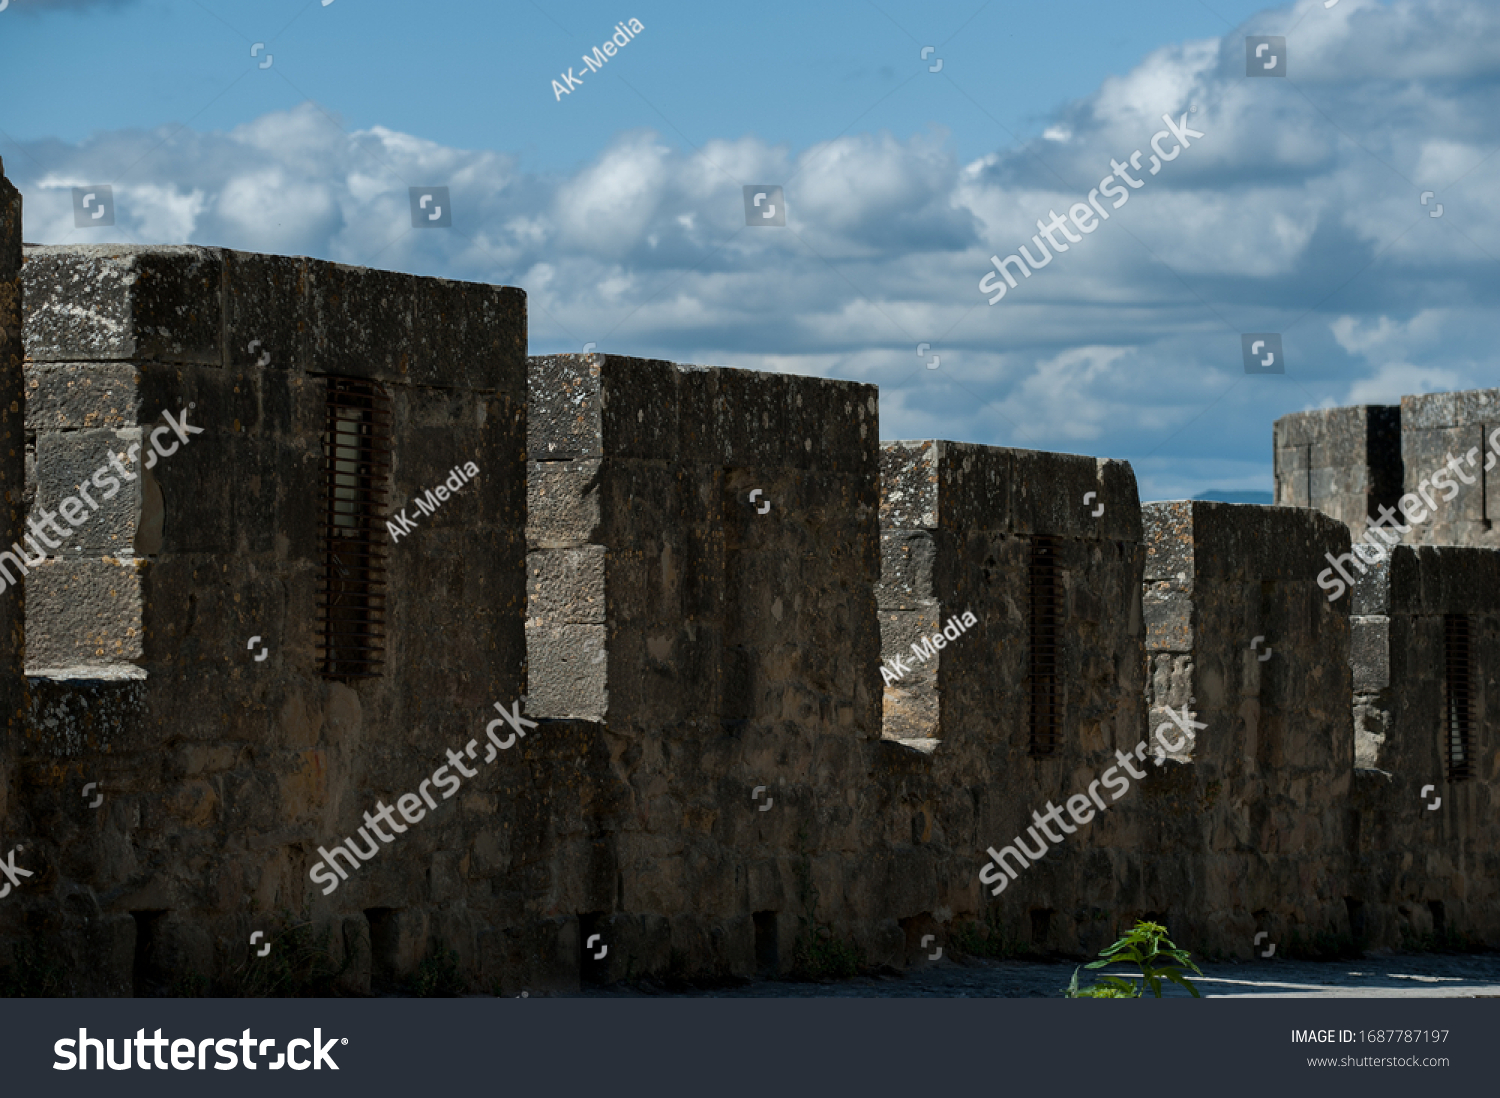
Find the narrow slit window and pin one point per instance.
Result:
(1043, 688)
(1459, 696)
(351, 594)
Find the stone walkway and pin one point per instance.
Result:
(1388, 976)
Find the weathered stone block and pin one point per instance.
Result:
(93, 302)
(84, 613)
(359, 322)
(76, 465)
(1345, 462)
(1433, 411)
(588, 406)
(266, 301)
(76, 395)
(1370, 653)
(907, 558)
(562, 502)
(471, 336)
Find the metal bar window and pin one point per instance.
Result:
(351, 593)
(1460, 699)
(1043, 688)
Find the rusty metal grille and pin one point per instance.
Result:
(1460, 699)
(351, 592)
(1043, 689)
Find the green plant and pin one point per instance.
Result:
(438, 976)
(1148, 947)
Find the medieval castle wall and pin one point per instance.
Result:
(764, 678)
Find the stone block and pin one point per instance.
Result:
(1168, 529)
(1169, 618)
(568, 671)
(1266, 542)
(75, 465)
(84, 613)
(359, 322)
(95, 302)
(566, 586)
(907, 559)
(563, 502)
(266, 303)
(589, 406)
(469, 336)
(831, 425)
(966, 488)
(1434, 411)
(74, 395)
(1370, 653)
(1427, 453)
(751, 419)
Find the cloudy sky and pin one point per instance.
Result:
(619, 206)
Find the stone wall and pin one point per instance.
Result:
(223, 774)
(704, 585)
(12, 482)
(1440, 428)
(703, 554)
(1345, 462)
(1021, 708)
(1254, 803)
(1427, 831)
(1418, 872)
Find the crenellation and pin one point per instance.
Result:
(1448, 443)
(1345, 462)
(139, 303)
(766, 677)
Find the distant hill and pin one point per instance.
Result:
(1218, 496)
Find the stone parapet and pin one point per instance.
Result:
(1449, 457)
(1345, 462)
(1242, 641)
(178, 635)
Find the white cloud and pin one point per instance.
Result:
(1297, 211)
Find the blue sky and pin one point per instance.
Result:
(619, 208)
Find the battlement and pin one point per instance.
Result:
(765, 677)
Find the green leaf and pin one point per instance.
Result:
(1071, 991)
(1185, 982)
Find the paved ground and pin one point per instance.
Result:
(1390, 976)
